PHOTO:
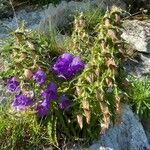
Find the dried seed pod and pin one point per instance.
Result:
(107, 19)
(119, 110)
(78, 90)
(112, 34)
(107, 22)
(111, 63)
(99, 95)
(104, 108)
(80, 120)
(87, 115)
(106, 116)
(103, 44)
(117, 18)
(115, 10)
(82, 23)
(30, 45)
(85, 104)
(90, 77)
(109, 81)
(86, 108)
(28, 73)
(97, 72)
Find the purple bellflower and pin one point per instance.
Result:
(68, 66)
(43, 108)
(12, 84)
(21, 102)
(40, 77)
(50, 92)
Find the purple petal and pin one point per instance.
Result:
(51, 92)
(12, 84)
(67, 66)
(67, 57)
(21, 102)
(40, 77)
(77, 65)
(43, 108)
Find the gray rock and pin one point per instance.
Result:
(109, 3)
(137, 34)
(127, 136)
(63, 14)
(60, 16)
(31, 19)
(146, 125)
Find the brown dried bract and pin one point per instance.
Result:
(111, 63)
(119, 110)
(28, 73)
(80, 120)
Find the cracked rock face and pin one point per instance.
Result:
(137, 34)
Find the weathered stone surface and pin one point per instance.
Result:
(139, 69)
(146, 125)
(109, 3)
(60, 16)
(127, 136)
(31, 18)
(63, 14)
(137, 34)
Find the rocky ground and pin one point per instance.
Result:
(129, 135)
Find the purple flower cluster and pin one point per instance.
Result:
(68, 66)
(40, 77)
(12, 84)
(49, 94)
(21, 102)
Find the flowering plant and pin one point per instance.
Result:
(74, 92)
(66, 67)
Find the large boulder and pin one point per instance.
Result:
(127, 136)
(146, 125)
(137, 34)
